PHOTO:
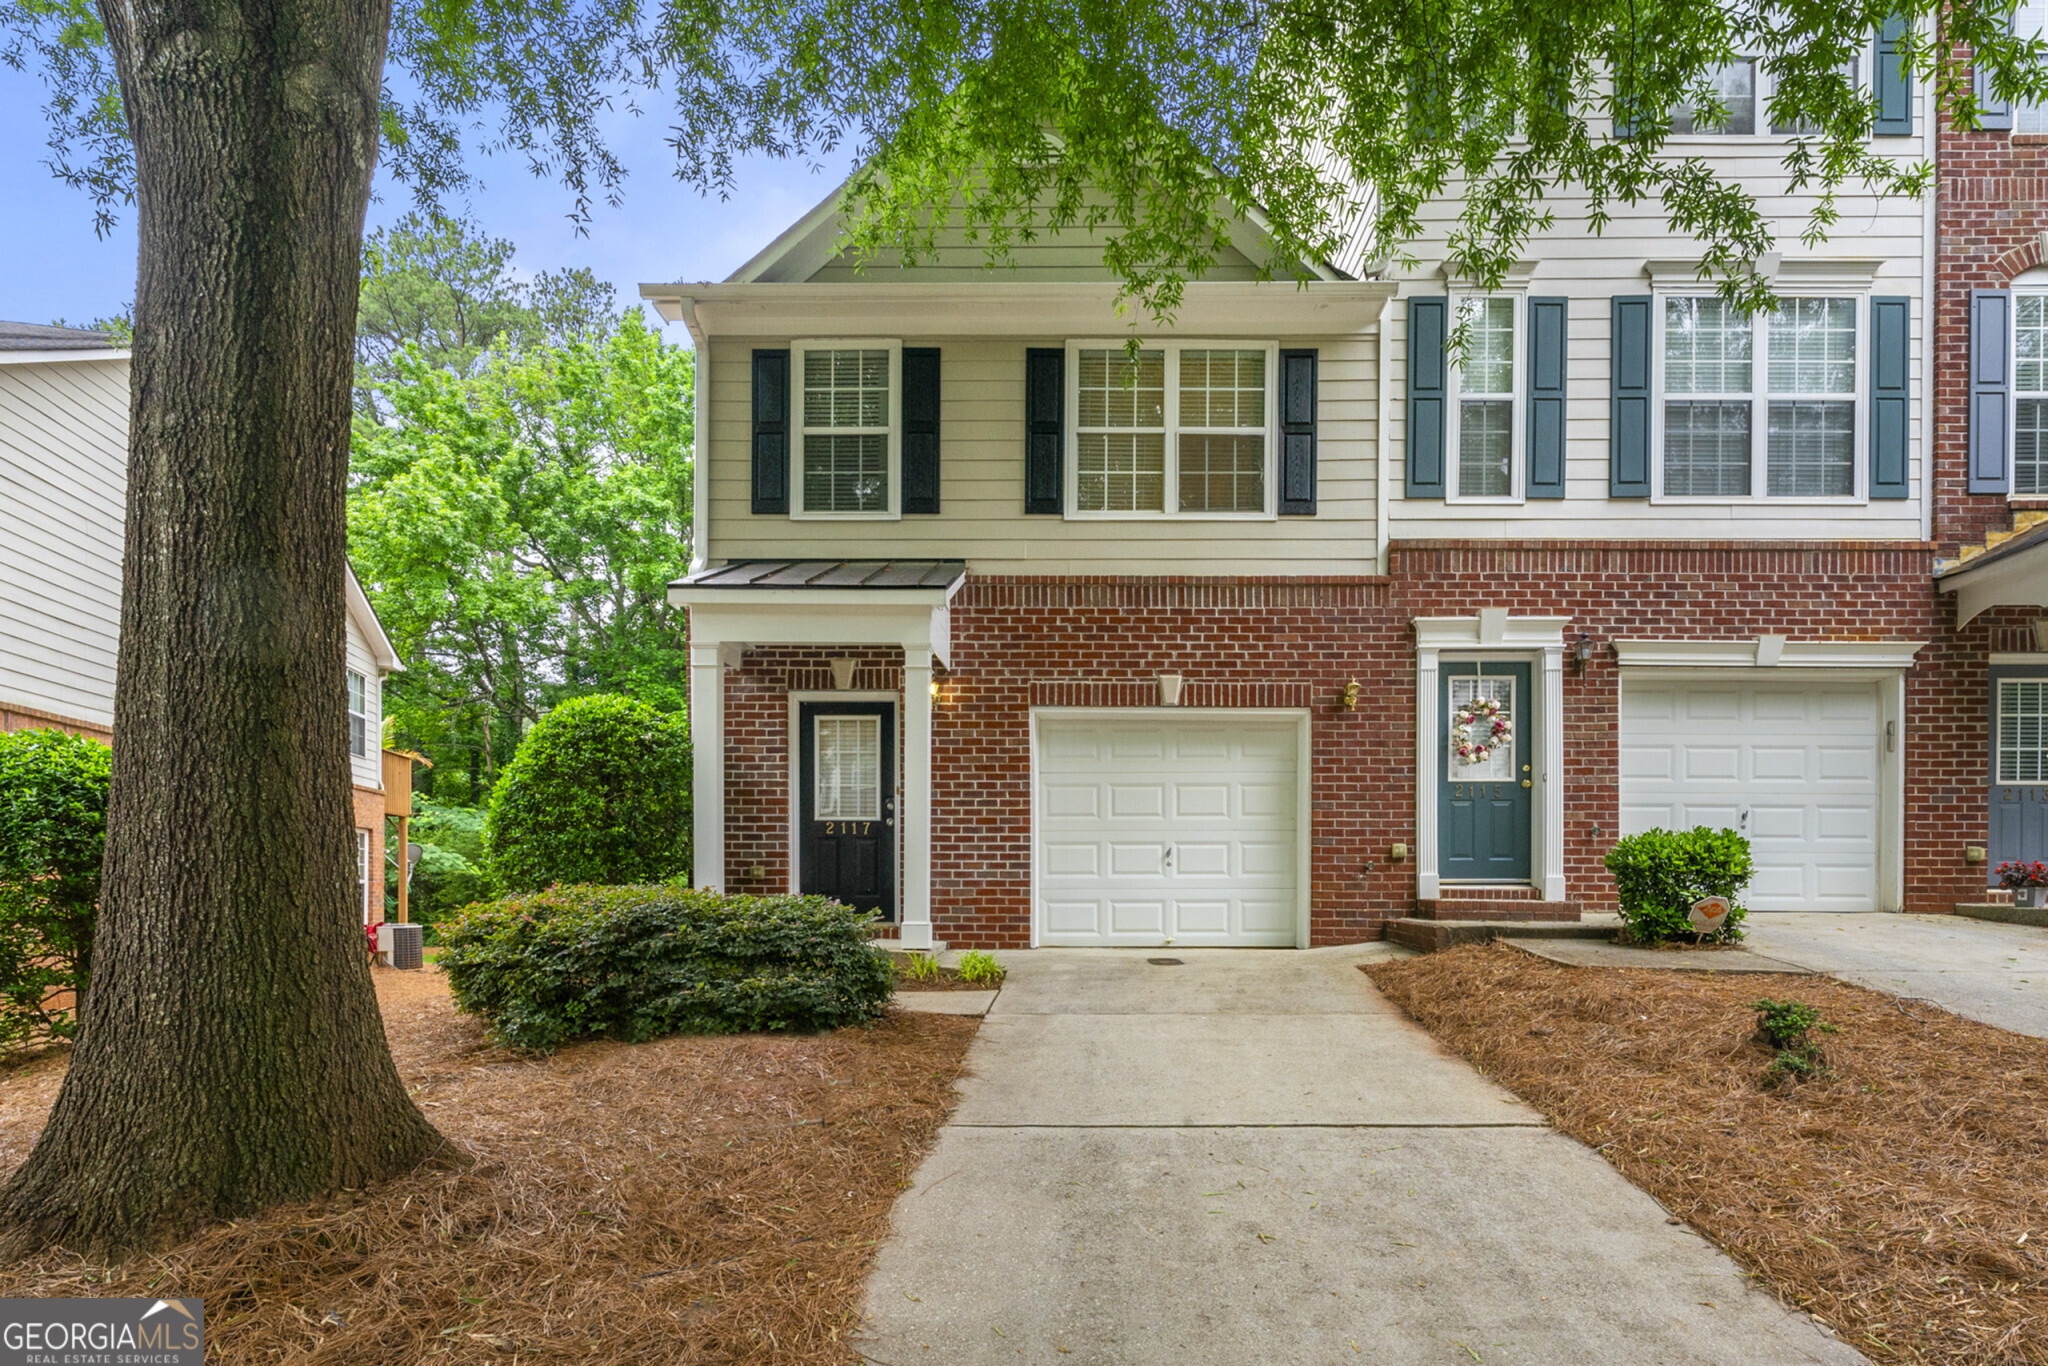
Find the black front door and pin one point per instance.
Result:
(1483, 801)
(846, 780)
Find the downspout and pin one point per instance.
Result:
(1380, 509)
(1929, 307)
(700, 451)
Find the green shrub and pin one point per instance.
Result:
(636, 962)
(1659, 874)
(1788, 1027)
(599, 792)
(53, 831)
(976, 966)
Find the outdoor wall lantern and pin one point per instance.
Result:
(1351, 695)
(1582, 651)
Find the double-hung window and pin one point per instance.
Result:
(1183, 430)
(1762, 407)
(2028, 21)
(1487, 412)
(2030, 392)
(358, 715)
(848, 428)
(1739, 87)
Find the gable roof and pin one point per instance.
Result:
(365, 618)
(42, 337)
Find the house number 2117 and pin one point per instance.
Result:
(847, 827)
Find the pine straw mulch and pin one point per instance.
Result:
(690, 1199)
(1904, 1203)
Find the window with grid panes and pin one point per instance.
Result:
(2030, 393)
(1175, 430)
(2022, 730)
(2028, 21)
(1760, 407)
(1486, 400)
(846, 414)
(358, 714)
(1811, 446)
(1734, 87)
(1707, 383)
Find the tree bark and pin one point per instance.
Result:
(232, 1055)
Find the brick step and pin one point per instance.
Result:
(1462, 907)
(1427, 936)
(1520, 891)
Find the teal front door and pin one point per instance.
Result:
(1483, 799)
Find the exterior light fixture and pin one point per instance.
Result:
(1351, 695)
(1582, 651)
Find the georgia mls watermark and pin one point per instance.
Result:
(140, 1332)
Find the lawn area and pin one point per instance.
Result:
(1903, 1202)
(689, 1199)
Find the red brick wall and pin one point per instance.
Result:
(14, 717)
(1024, 642)
(1991, 209)
(369, 815)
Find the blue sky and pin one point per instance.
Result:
(663, 231)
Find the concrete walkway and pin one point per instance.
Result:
(1997, 974)
(1255, 1158)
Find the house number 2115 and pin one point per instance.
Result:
(1478, 791)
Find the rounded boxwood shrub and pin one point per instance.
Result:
(636, 962)
(53, 831)
(1659, 874)
(598, 792)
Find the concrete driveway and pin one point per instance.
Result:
(1994, 973)
(1253, 1157)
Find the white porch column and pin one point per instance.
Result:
(707, 772)
(1551, 805)
(916, 807)
(1428, 746)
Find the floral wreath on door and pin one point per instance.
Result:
(1478, 728)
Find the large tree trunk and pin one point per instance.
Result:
(231, 1054)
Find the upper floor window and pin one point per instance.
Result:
(1182, 430)
(1740, 89)
(358, 715)
(2030, 19)
(847, 439)
(2030, 392)
(1762, 407)
(1487, 412)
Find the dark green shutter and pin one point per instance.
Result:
(920, 429)
(1629, 399)
(1428, 322)
(1547, 332)
(771, 433)
(1045, 401)
(1890, 320)
(1297, 433)
(1893, 83)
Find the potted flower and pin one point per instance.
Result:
(2028, 882)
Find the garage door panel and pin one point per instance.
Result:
(1220, 792)
(1804, 767)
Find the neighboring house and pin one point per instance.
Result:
(1021, 645)
(1992, 417)
(63, 500)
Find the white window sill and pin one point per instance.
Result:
(845, 516)
(1172, 517)
(1677, 500)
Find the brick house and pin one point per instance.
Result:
(63, 504)
(1296, 624)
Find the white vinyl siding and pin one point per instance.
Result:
(847, 441)
(1488, 407)
(982, 480)
(1178, 430)
(2029, 20)
(367, 768)
(1761, 407)
(63, 493)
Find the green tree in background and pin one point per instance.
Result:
(516, 523)
(435, 285)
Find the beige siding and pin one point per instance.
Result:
(982, 478)
(1571, 261)
(1075, 254)
(63, 480)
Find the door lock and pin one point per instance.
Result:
(1526, 783)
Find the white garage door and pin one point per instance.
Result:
(1176, 831)
(1791, 765)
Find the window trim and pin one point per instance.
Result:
(363, 716)
(363, 870)
(1173, 348)
(1998, 685)
(1518, 401)
(1759, 398)
(2021, 287)
(1766, 88)
(798, 429)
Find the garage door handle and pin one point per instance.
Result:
(1169, 856)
